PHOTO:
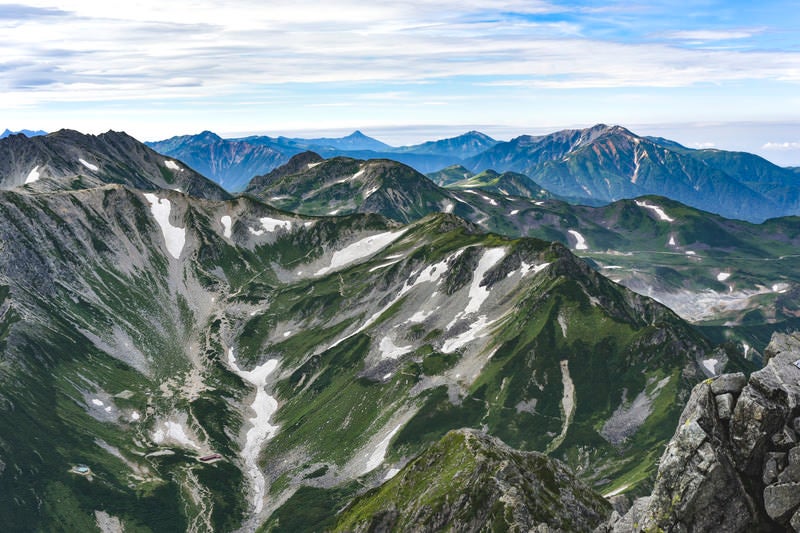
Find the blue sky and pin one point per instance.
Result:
(712, 73)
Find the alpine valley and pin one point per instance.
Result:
(349, 345)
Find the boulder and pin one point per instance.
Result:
(729, 383)
(724, 406)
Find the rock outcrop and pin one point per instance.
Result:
(469, 481)
(733, 464)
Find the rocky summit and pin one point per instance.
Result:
(734, 462)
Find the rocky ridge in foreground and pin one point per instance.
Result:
(734, 462)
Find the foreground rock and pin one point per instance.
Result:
(734, 462)
(470, 481)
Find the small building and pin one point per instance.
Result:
(82, 470)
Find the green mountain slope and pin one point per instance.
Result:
(507, 183)
(313, 186)
(469, 481)
(709, 269)
(141, 331)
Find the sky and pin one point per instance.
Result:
(707, 73)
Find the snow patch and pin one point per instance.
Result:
(567, 404)
(448, 208)
(264, 406)
(389, 350)
(97, 402)
(384, 265)
(672, 241)
(391, 473)
(135, 416)
(360, 250)
(780, 287)
(174, 431)
(88, 165)
(227, 225)
(690, 252)
(562, 321)
(312, 165)
(33, 175)
(478, 294)
(657, 210)
(371, 191)
(174, 237)
(709, 365)
(616, 491)
(375, 459)
(722, 276)
(477, 330)
(527, 268)
(172, 165)
(581, 242)
(514, 212)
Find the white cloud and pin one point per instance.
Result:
(703, 145)
(781, 146)
(713, 35)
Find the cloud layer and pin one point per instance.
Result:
(333, 54)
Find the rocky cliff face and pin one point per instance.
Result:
(734, 462)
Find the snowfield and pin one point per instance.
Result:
(580, 243)
(657, 210)
(710, 365)
(264, 406)
(174, 237)
(227, 224)
(360, 250)
(88, 165)
(389, 350)
(33, 175)
(376, 458)
(172, 165)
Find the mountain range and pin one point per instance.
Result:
(350, 346)
(174, 358)
(233, 162)
(28, 133)
(592, 166)
(710, 270)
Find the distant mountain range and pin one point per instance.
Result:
(233, 162)
(592, 166)
(27, 133)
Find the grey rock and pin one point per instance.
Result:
(770, 473)
(724, 405)
(782, 343)
(633, 519)
(621, 503)
(740, 475)
(795, 522)
(729, 383)
(781, 500)
(796, 424)
(755, 419)
(794, 456)
(784, 440)
(791, 473)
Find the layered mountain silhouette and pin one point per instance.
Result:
(591, 166)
